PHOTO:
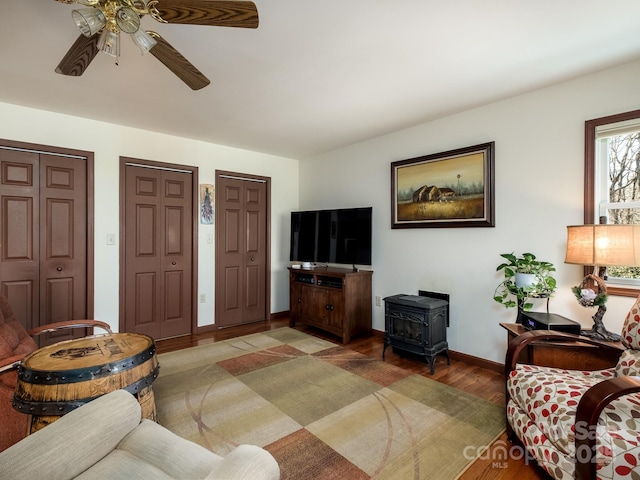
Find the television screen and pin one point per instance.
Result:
(332, 236)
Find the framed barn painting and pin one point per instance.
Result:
(448, 189)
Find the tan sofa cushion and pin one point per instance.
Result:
(246, 461)
(72, 444)
(152, 451)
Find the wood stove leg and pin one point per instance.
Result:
(432, 363)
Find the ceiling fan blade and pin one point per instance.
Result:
(179, 65)
(79, 56)
(243, 14)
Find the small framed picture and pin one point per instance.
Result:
(206, 204)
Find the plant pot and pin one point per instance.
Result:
(525, 279)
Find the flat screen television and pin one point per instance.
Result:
(332, 236)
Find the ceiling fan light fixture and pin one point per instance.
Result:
(109, 42)
(89, 20)
(128, 20)
(101, 22)
(143, 41)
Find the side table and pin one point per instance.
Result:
(572, 356)
(58, 378)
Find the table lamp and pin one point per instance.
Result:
(601, 246)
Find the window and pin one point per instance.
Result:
(612, 184)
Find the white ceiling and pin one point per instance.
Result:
(320, 75)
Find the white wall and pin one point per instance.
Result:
(539, 179)
(539, 141)
(109, 142)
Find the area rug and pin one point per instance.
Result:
(322, 410)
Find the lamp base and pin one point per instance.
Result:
(598, 330)
(603, 334)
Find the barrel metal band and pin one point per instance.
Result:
(39, 377)
(62, 408)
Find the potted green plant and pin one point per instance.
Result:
(525, 277)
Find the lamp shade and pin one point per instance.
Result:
(603, 245)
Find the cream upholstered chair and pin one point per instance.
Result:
(578, 424)
(107, 438)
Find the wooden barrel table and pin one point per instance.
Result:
(58, 378)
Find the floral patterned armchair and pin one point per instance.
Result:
(578, 424)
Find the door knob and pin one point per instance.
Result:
(173, 263)
(253, 259)
(59, 269)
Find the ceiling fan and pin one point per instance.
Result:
(102, 21)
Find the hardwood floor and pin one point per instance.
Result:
(473, 379)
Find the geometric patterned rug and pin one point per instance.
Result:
(323, 411)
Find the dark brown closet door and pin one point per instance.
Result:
(158, 252)
(241, 250)
(43, 216)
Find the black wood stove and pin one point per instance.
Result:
(417, 324)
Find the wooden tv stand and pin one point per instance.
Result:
(336, 300)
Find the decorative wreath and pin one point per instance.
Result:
(592, 292)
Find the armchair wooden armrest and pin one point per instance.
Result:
(13, 361)
(517, 344)
(10, 363)
(589, 409)
(52, 327)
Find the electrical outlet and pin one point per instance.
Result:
(111, 238)
(378, 301)
(203, 298)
